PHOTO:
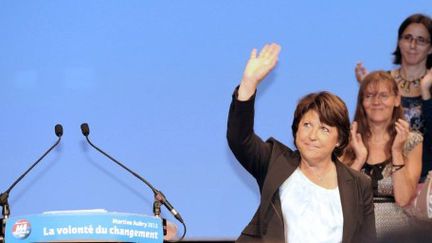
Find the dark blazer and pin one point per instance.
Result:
(271, 163)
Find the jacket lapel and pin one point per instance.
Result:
(280, 169)
(349, 201)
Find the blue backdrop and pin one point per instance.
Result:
(154, 81)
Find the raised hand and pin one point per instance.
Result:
(358, 147)
(360, 72)
(426, 85)
(257, 68)
(402, 133)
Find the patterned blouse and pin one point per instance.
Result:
(381, 173)
(412, 107)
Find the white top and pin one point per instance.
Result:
(311, 213)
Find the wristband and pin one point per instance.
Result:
(396, 167)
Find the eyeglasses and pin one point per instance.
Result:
(382, 97)
(419, 40)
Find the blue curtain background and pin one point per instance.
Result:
(154, 81)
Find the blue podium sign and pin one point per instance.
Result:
(78, 226)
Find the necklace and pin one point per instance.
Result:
(404, 84)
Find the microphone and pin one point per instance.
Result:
(158, 195)
(5, 195)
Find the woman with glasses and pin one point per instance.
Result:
(383, 147)
(414, 78)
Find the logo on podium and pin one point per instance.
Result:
(21, 229)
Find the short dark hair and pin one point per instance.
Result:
(331, 110)
(418, 18)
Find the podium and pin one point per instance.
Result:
(84, 226)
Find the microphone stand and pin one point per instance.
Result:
(5, 213)
(159, 197)
(4, 203)
(156, 208)
(157, 212)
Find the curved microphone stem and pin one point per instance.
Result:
(158, 195)
(184, 232)
(5, 195)
(2, 230)
(123, 166)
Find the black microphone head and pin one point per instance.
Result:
(85, 129)
(58, 130)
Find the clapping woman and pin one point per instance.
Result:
(413, 75)
(383, 146)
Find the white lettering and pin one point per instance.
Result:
(49, 231)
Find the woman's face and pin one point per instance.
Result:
(379, 102)
(415, 45)
(314, 139)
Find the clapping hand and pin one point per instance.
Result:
(426, 85)
(358, 146)
(402, 133)
(360, 72)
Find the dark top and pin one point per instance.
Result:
(381, 173)
(271, 163)
(412, 107)
(418, 112)
(377, 173)
(427, 137)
